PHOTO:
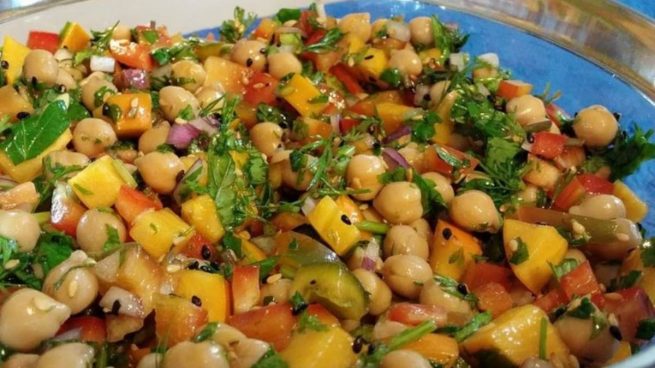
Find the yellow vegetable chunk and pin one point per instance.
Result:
(320, 349)
(136, 113)
(98, 184)
(352, 43)
(211, 288)
(230, 76)
(13, 103)
(14, 53)
(393, 115)
(158, 231)
(200, 212)
(373, 63)
(334, 226)
(647, 280)
(635, 208)
(430, 56)
(515, 337)
(30, 169)
(443, 130)
(622, 353)
(545, 246)
(453, 253)
(74, 37)
(300, 92)
(438, 348)
(251, 252)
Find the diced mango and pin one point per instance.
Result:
(200, 212)
(394, 115)
(158, 231)
(13, 103)
(334, 226)
(300, 93)
(453, 250)
(211, 288)
(635, 208)
(320, 349)
(352, 43)
(430, 56)
(438, 348)
(232, 77)
(443, 130)
(74, 37)
(515, 336)
(98, 184)
(647, 280)
(139, 274)
(30, 169)
(14, 53)
(177, 319)
(545, 247)
(205, 50)
(251, 252)
(136, 113)
(373, 63)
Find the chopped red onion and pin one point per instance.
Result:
(181, 135)
(102, 64)
(136, 78)
(394, 159)
(397, 134)
(206, 124)
(368, 264)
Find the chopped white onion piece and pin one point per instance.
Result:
(308, 205)
(490, 58)
(102, 64)
(398, 31)
(458, 60)
(63, 54)
(127, 303)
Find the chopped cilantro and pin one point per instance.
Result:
(232, 30)
(310, 322)
(392, 76)
(206, 333)
(521, 254)
(270, 360)
(582, 311)
(625, 281)
(478, 321)
(113, 241)
(286, 14)
(423, 129)
(327, 43)
(186, 113)
(233, 243)
(431, 200)
(397, 174)
(567, 265)
(628, 152)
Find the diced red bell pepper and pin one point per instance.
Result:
(509, 89)
(346, 124)
(570, 157)
(273, 324)
(433, 162)
(245, 288)
(483, 273)
(65, 211)
(594, 184)
(199, 247)
(548, 145)
(134, 55)
(349, 81)
(43, 40)
(413, 314)
(556, 114)
(130, 203)
(630, 306)
(570, 195)
(261, 89)
(493, 297)
(92, 329)
(579, 282)
(551, 300)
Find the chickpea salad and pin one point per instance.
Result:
(309, 192)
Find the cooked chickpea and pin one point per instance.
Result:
(92, 230)
(28, 317)
(442, 185)
(160, 170)
(41, 66)
(20, 226)
(379, 292)
(399, 202)
(69, 355)
(362, 174)
(403, 359)
(542, 173)
(248, 352)
(602, 206)
(576, 333)
(267, 137)
(357, 24)
(152, 360)
(67, 158)
(64, 78)
(527, 109)
(188, 74)
(92, 136)
(458, 311)
(283, 63)
(378, 26)
(438, 91)
(227, 336)
(72, 282)
(421, 29)
(121, 32)
(596, 126)
(291, 178)
(628, 237)
(536, 363)
(474, 210)
(406, 61)
(403, 239)
(405, 274)
(422, 227)
(96, 84)
(250, 53)
(279, 291)
(174, 99)
(210, 98)
(193, 355)
(154, 137)
(21, 361)
(412, 155)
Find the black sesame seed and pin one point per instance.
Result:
(368, 57)
(34, 81)
(262, 50)
(371, 349)
(427, 97)
(358, 344)
(616, 332)
(4, 64)
(205, 252)
(115, 307)
(462, 289)
(298, 308)
(105, 110)
(346, 220)
(530, 138)
(193, 265)
(22, 115)
(195, 300)
(249, 62)
(312, 282)
(447, 233)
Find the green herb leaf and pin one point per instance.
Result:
(270, 360)
(310, 322)
(646, 329)
(431, 200)
(392, 76)
(113, 240)
(232, 30)
(233, 243)
(206, 333)
(543, 338)
(452, 287)
(567, 265)
(628, 152)
(582, 311)
(186, 113)
(270, 113)
(521, 254)
(480, 320)
(423, 129)
(297, 302)
(625, 281)
(397, 174)
(286, 14)
(327, 43)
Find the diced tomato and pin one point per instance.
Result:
(580, 281)
(570, 157)
(493, 297)
(199, 247)
(556, 114)
(43, 40)
(245, 288)
(133, 54)
(551, 300)
(414, 314)
(273, 324)
(508, 89)
(316, 36)
(570, 195)
(130, 203)
(548, 145)
(304, 22)
(483, 273)
(594, 184)
(346, 124)
(65, 211)
(630, 306)
(433, 162)
(322, 314)
(92, 329)
(349, 81)
(261, 89)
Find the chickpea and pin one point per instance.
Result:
(357, 24)
(267, 137)
(474, 210)
(20, 226)
(404, 358)
(536, 363)
(458, 311)
(378, 26)
(70, 355)
(422, 228)
(527, 109)
(248, 352)
(438, 91)
(72, 283)
(281, 64)
(406, 61)
(21, 361)
(399, 202)
(279, 291)
(403, 239)
(576, 333)
(596, 126)
(92, 230)
(154, 137)
(250, 53)
(628, 237)
(192, 355)
(210, 97)
(292, 178)
(602, 206)
(152, 360)
(421, 29)
(227, 336)
(41, 66)
(379, 292)
(188, 75)
(174, 99)
(405, 273)
(412, 155)
(67, 159)
(160, 170)
(121, 32)
(92, 136)
(442, 185)
(28, 317)
(362, 173)
(64, 78)
(96, 83)
(542, 173)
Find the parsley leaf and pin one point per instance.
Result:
(423, 129)
(206, 333)
(567, 265)
(521, 254)
(431, 200)
(625, 281)
(52, 249)
(232, 30)
(373, 359)
(397, 174)
(270, 113)
(628, 152)
(392, 76)
(446, 39)
(327, 43)
(286, 14)
(582, 311)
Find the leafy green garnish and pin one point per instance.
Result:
(233, 243)
(397, 174)
(206, 333)
(99, 44)
(310, 322)
(232, 30)
(452, 287)
(543, 336)
(423, 129)
(521, 254)
(648, 254)
(286, 14)
(270, 113)
(567, 265)
(646, 329)
(113, 240)
(625, 281)
(628, 152)
(186, 113)
(582, 311)
(52, 249)
(478, 321)
(392, 76)
(373, 358)
(431, 200)
(327, 43)
(270, 360)
(179, 51)
(446, 39)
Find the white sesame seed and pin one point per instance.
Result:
(43, 303)
(274, 278)
(513, 245)
(173, 268)
(72, 288)
(134, 103)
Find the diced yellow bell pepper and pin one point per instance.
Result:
(136, 113)
(354, 213)
(393, 115)
(200, 212)
(352, 43)
(30, 169)
(14, 53)
(647, 280)
(98, 184)
(211, 288)
(334, 226)
(158, 231)
(331, 348)
(623, 352)
(74, 37)
(232, 77)
(251, 252)
(635, 208)
(438, 348)
(13, 103)
(545, 247)
(443, 130)
(299, 93)
(373, 63)
(515, 337)
(453, 250)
